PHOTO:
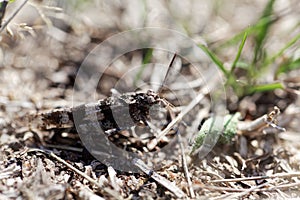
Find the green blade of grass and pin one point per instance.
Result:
(215, 59)
(146, 60)
(264, 88)
(288, 66)
(250, 30)
(238, 55)
(263, 30)
(281, 51)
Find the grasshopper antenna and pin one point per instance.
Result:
(164, 80)
(168, 105)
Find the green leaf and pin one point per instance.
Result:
(261, 33)
(289, 65)
(238, 55)
(215, 59)
(264, 88)
(281, 51)
(146, 60)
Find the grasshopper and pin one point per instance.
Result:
(116, 116)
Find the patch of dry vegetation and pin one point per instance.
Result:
(43, 47)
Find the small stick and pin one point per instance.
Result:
(185, 168)
(91, 180)
(161, 180)
(279, 175)
(2, 10)
(113, 178)
(164, 80)
(240, 194)
(236, 195)
(63, 147)
(186, 110)
(41, 13)
(245, 128)
(213, 188)
(13, 15)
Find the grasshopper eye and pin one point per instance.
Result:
(151, 96)
(150, 99)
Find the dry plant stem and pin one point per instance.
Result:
(161, 180)
(237, 195)
(222, 189)
(192, 84)
(186, 110)
(10, 171)
(13, 15)
(91, 180)
(246, 128)
(240, 194)
(113, 178)
(164, 80)
(41, 13)
(2, 10)
(279, 175)
(64, 147)
(211, 174)
(185, 168)
(86, 193)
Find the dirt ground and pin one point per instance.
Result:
(48, 43)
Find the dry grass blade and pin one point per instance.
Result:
(161, 180)
(113, 178)
(247, 128)
(240, 194)
(44, 45)
(256, 189)
(165, 78)
(179, 117)
(91, 180)
(9, 171)
(280, 175)
(185, 168)
(13, 15)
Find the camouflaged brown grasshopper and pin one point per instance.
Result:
(134, 110)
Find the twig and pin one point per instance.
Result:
(3, 5)
(211, 174)
(189, 85)
(63, 147)
(165, 78)
(13, 15)
(279, 175)
(214, 188)
(245, 128)
(112, 177)
(41, 13)
(161, 180)
(86, 193)
(10, 171)
(91, 180)
(186, 110)
(239, 194)
(235, 196)
(185, 168)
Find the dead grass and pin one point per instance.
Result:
(41, 52)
